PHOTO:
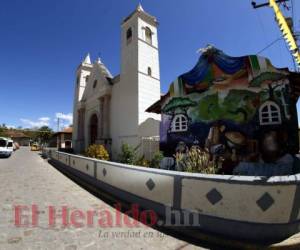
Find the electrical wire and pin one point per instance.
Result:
(293, 13)
(261, 26)
(268, 46)
(293, 30)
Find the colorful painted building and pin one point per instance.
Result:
(242, 109)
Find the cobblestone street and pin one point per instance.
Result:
(27, 179)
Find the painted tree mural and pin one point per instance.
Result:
(240, 106)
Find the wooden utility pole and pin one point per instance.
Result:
(58, 120)
(285, 26)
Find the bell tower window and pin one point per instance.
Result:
(148, 34)
(149, 71)
(129, 35)
(95, 84)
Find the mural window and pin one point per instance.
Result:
(95, 84)
(148, 34)
(149, 71)
(129, 35)
(179, 123)
(269, 114)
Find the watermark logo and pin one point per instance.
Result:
(102, 217)
(29, 216)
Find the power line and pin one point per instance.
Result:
(58, 121)
(262, 27)
(293, 12)
(268, 46)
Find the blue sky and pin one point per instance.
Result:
(42, 43)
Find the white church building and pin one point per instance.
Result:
(110, 110)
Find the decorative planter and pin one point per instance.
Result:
(249, 208)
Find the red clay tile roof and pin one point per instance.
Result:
(67, 130)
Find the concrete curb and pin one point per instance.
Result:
(292, 243)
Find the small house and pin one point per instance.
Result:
(62, 139)
(18, 137)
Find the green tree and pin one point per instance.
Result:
(157, 158)
(3, 130)
(43, 134)
(128, 154)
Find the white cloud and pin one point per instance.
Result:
(65, 119)
(42, 121)
(11, 126)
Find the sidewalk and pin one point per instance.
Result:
(26, 179)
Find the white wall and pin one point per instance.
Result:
(149, 93)
(238, 196)
(82, 80)
(149, 86)
(149, 128)
(141, 25)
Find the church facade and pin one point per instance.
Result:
(110, 110)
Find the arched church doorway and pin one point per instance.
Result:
(93, 129)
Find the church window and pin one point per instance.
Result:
(77, 80)
(95, 84)
(93, 129)
(269, 114)
(179, 123)
(148, 34)
(86, 78)
(129, 35)
(149, 71)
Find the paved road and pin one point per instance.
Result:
(26, 179)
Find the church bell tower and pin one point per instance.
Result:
(140, 75)
(82, 75)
